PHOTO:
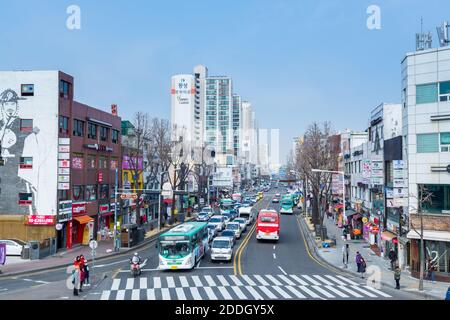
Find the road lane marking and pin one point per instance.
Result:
(105, 295)
(286, 279)
(195, 294)
(275, 281)
(180, 294)
(110, 264)
(248, 280)
(210, 293)
(144, 263)
(302, 282)
(224, 293)
(135, 294)
(347, 280)
(236, 280)
(312, 294)
(239, 293)
(339, 282)
(210, 281)
(275, 256)
(282, 270)
(283, 293)
(143, 283)
(254, 293)
(267, 292)
(237, 258)
(353, 293)
(41, 281)
(381, 293)
(151, 294)
(296, 292)
(215, 267)
(120, 295)
(223, 280)
(324, 292)
(130, 284)
(197, 281)
(336, 291)
(328, 283)
(184, 282)
(115, 284)
(170, 282)
(156, 282)
(367, 293)
(261, 280)
(165, 294)
(314, 282)
(274, 247)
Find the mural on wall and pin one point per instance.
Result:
(14, 142)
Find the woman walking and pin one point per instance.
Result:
(76, 279)
(361, 264)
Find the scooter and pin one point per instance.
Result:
(135, 269)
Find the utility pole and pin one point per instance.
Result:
(116, 247)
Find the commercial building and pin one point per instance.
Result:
(59, 159)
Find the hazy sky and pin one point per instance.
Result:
(297, 61)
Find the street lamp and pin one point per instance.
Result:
(161, 174)
(343, 185)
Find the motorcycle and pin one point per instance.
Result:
(135, 269)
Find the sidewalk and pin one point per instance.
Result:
(333, 256)
(104, 250)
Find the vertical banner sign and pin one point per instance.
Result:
(64, 164)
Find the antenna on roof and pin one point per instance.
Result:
(442, 32)
(423, 40)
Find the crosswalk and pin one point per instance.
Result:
(247, 287)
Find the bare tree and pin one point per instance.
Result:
(203, 161)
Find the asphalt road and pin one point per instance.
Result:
(259, 270)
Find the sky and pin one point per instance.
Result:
(296, 61)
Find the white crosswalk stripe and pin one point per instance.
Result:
(232, 287)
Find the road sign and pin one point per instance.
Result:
(93, 245)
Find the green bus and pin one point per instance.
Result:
(287, 204)
(183, 246)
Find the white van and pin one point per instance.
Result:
(247, 213)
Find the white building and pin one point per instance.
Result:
(183, 107)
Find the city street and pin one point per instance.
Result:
(259, 271)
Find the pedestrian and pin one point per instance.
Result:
(345, 254)
(431, 269)
(361, 264)
(76, 279)
(393, 257)
(80, 263)
(397, 275)
(86, 274)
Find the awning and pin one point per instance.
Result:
(387, 235)
(83, 219)
(430, 235)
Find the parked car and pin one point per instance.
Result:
(236, 227)
(221, 249)
(230, 234)
(242, 222)
(14, 247)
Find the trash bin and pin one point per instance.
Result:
(26, 252)
(52, 246)
(34, 250)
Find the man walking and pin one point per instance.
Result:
(393, 257)
(397, 275)
(345, 254)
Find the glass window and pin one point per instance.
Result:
(63, 125)
(63, 195)
(78, 128)
(92, 130)
(102, 163)
(426, 93)
(428, 143)
(91, 192)
(27, 90)
(115, 136)
(104, 190)
(440, 198)
(444, 89)
(104, 133)
(25, 198)
(26, 125)
(78, 193)
(91, 162)
(64, 89)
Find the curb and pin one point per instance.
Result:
(118, 254)
(314, 251)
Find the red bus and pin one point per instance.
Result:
(268, 225)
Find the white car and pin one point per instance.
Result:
(208, 210)
(242, 222)
(13, 247)
(218, 221)
(236, 227)
(221, 249)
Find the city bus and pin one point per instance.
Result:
(268, 225)
(226, 204)
(287, 204)
(183, 246)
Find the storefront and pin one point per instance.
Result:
(105, 222)
(82, 226)
(63, 224)
(437, 248)
(389, 241)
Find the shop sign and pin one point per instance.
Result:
(104, 208)
(63, 186)
(389, 193)
(79, 208)
(377, 181)
(399, 183)
(63, 156)
(399, 174)
(64, 141)
(40, 220)
(390, 203)
(63, 179)
(64, 164)
(398, 164)
(399, 193)
(63, 149)
(100, 177)
(64, 171)
(400, 202)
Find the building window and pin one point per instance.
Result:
(426, 93)
(444, 91)
(104, 133)
(440, 198)
(114, 164)
(78, 128)
(64, 89)
(26, 125)
(26, 163)
(63, 125)
(91, 162)
(78, 193)
(102, 163)
(92, 130)
(91, 192)
(25, 199)
(104, 191)
(63, 195)
(428, 143)
(115, 136)
(27, 90)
